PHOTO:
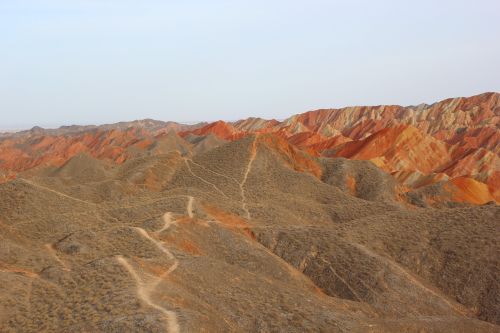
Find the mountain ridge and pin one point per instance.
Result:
(458, 137)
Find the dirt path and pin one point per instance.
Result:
(157, 243)
(145, 289)
(214, 172)
(203, 180)
(167, 222)
(189, 207)
(241, 184)
(56, 192)
(52, 251)
(14, 270)
(456, 307)
(253, 153)
(144, 293)
(351, 289)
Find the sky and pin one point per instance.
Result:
(68, 62)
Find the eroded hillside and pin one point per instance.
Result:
(253, 227)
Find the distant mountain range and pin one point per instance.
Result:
(149, 124)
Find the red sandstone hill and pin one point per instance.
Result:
(219, 128)
(454, 141)
(441, 119)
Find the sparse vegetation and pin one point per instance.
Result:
(312, 257)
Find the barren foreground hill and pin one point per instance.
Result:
(250, 236)
(253, 228)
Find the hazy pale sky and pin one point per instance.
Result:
(98, 61)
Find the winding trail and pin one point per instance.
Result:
(144, 293)
(146, 288)
(253, 153)
(157, 243)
